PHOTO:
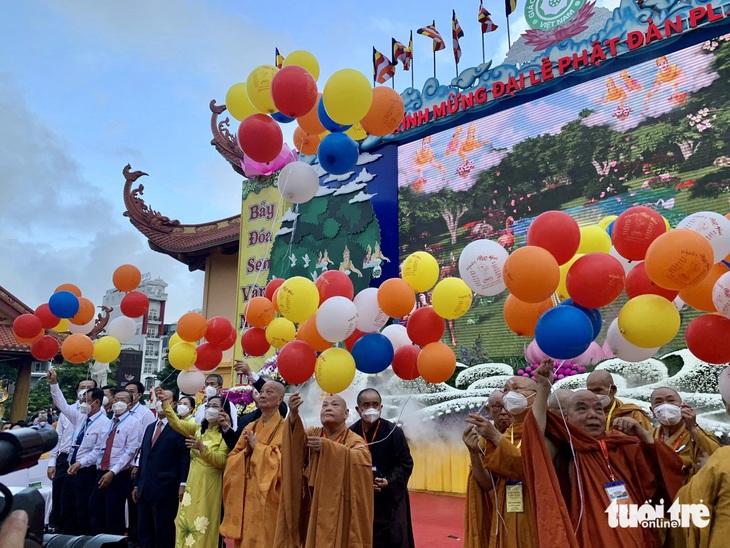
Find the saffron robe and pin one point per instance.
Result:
(689, 451)
(620, 409)
(478, 511)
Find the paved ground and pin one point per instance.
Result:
(438, 520)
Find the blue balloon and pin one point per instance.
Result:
(594, 315)
(337, 153)
(609, 228)
(64, 304)
(281, 118)
(373, 353)
(328, 122)
(563, 332)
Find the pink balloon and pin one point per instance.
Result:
(592, 355)
(252, 168)
(533, 354)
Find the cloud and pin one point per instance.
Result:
(361, 197)
(366, 158)
(349, 187)
(283, 231)
(290, 215)
(338, 178)
(325, 191)
(364, 176)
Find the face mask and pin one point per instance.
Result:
(42, 423)
(605, 400)
(514, 403)
(210, 391)
(211, 414)
(84, 408)
(81, 395)
(668, 414)
(119, 407)
(371, 415)
(158, 406)
(182, 409)
(105, 401)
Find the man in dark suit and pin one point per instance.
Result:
(160, 481)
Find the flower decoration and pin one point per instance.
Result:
(241, 397)
(561, 370)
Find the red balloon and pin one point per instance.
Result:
(48, 319)
(557, 232)
(272, 286)
(209, 356)
(334, 283)
(425, 326)
(295, 362)
(707, 337)
(44, 349)
(352, 339)
(260, 138)
(638, 283)
(254, 343)
(405, 362)
(134, 304)
(294, 91)
(218, 331)
(595, 280)
(27, 326)
(230, 341)
(634, 231)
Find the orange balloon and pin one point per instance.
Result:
(436, 362)
(259, 312)
(275, 299)
(306, 143)
(700, 295)
(396, 297)
(126, 278)
(679, 259)
(77, 348)
(308, 333)
(23, 340)
(192, 326)
(310, 121)
(531, 274)
(69, 287)
(385, 114)
(521, 317)
(85, 313)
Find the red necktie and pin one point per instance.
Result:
(106, 459)
(157, 432)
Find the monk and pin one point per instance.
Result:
(512, 519)
(252, 478)
(327, 482)
(558, 400)
(576, 471)
(600, 382)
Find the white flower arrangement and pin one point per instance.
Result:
(636, 374)
(482, 371)
(490, 383)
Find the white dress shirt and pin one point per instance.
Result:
(126, 442)
(143, 414)
(65, 432)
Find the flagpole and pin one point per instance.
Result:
(509, 40)
(413, 63)
(484, 59)
(434, 52)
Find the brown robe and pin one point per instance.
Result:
(620, 409)
(689, 450)
(478, 512)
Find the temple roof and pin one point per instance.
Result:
(10, 308)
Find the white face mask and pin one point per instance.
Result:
(158, 406)
(514, 403)
(668, 414)
(84, 408)
(210, 391)
(371, 415)
(119, 407)
(182, 409)
(605, 400)
(211, 414)
(81, 395)
(105, 401)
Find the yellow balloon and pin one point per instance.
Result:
(347, 96)
(280, 331)
(649, 321)
(107, 349)
(298, 299)
(420, 270)
(238, 103)
(451, 298)
(182, 356)
(594, 239)
(356, 132)
(603, 223)
(174, 340)
(562, 289)
(666, 222)
(334, 370)
(258, 88)
(304, 59)
(61, 327)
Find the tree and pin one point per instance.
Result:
(452, 206)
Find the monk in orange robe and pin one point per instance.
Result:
(573, 467)
(252, 478)
(327, 482)
(600, 382)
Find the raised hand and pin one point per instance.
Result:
(689, 415)
(544, 373)
(632, 427)
(484, 428)
(242, 367)
(160, 394)
(471, 439)
(52, 376)
(295, 402)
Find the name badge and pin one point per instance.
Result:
(515, 502)
(616, 491)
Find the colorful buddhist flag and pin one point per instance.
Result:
(485, 18)
(400, 53)
(510, 6)
(430, 32)
(383, 69)
(456, 33)
(279, 59)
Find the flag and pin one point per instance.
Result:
(510, 6)
(383, 69)
(430, 31)
(402, 53)
(456, 33)
(279, 59)
(485, 18)
(409, 53)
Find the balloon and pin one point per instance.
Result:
(281, 118)
(191, 381)
(594, 239)
(182, 356)
(310, 122)
(29, 340)
(356, 132)
(347, 96)
(306, 143)
(634, 231)
(397, 335)
(724, 384)
(480, 266)
(298, 182)
(372, 353)
(533, 354)
(396, 298)
(707, 337)
(134, 304)
(562, 289)
(71, 288)
(296, 362)
(638, 283)
(336, 319)
(61, 327)
(405, 362)
(521, 317)
(272, 286)
(721, 295)
(280, 331)
(298, 299)
(713, 227)
(332, 283)
(420, 270)
(258, 312)
(699, 296)
(218, 330)
(85, 312)
(678, 259)
(293, 91)
(107, 349)
(27, 326)
(258, 89)
(304, 59)
(564, 332)
(557, 232)
(123, 329)
(451, 298)
(603, 223)
(275, 299)
(594, 315)
(592, 356)
(352, 339)
(260, 138)
(126, 278)
(385, 114)
(369, 315)
(48, 319)
(44, 348)
(648, 321)
(208, 356)
(84, 329)
(230, 341)
(436, 362)
(77, 348)
(308, 333)
(254, 342)
(425, 326)
(238, 103)
(191, 326)
(531, 274)
(628, 265)
(337, 153)
(252, 168)
(595, 280)
(63, 304)
(334, 370)
(328, 123)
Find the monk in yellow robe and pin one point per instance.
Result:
(252, 478)
(600, 382)
(327, 482)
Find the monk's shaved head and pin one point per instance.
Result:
(559, 400)
(520, 384)
(271, 395)
(600, 376)
(585, 411)
(334, 412)
(496, 411)
(663, 395)
(600, 382)
(495, 398)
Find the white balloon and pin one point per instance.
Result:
(623, 349)
(122, 328)
(190, 381)
(721, 295)
(628, 265)
(336, 319)
(298, 182)
(724, 384)
(397, 335)
(83, 329)
(480, 265)
(370, 318)
(714, 227)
